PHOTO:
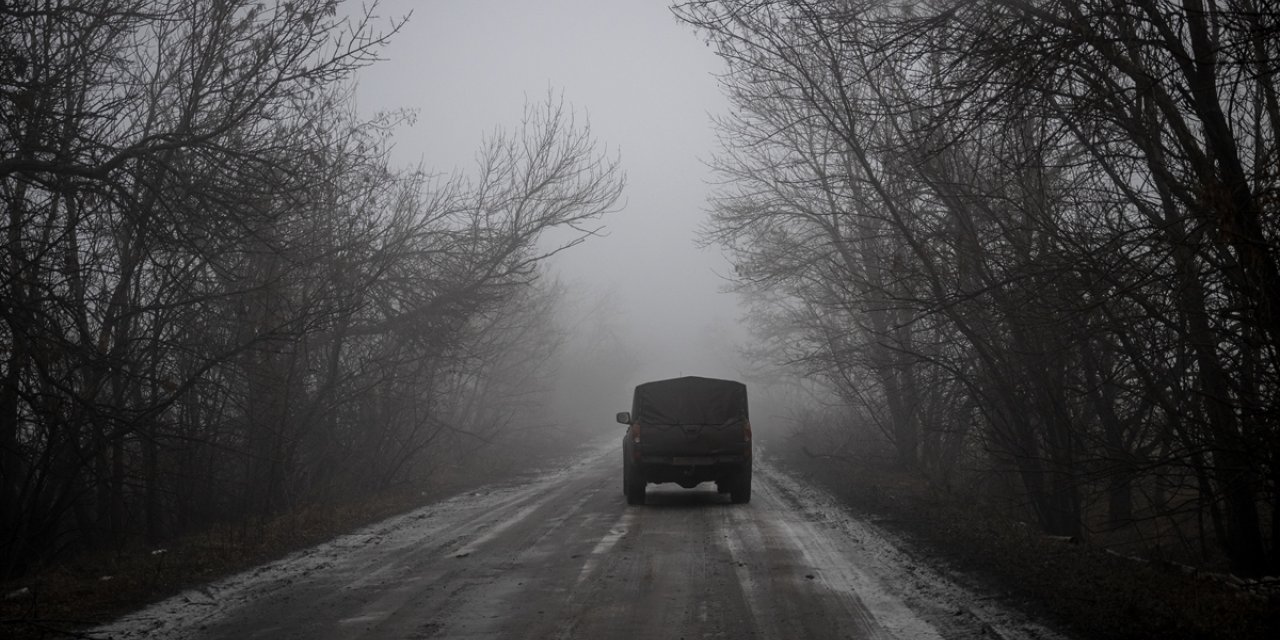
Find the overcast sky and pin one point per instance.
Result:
(647, 84)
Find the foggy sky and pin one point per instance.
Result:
(647, 85)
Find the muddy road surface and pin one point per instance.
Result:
(563, 556)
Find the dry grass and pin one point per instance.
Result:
(1084, 588)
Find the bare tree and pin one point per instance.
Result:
(999, 197)
(220, 299)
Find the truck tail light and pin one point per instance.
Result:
(746, 431)
(635, 433)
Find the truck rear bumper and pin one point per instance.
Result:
(688, 471)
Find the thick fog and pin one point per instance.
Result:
(648, 86)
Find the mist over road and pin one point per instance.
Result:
(563, 556)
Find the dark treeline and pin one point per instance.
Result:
(218, 299)
(1032, 242)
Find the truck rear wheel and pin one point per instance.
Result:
(740, 491)
(632, 484)
(635, 492)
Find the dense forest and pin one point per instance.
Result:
(1030, 243)
(218, 297)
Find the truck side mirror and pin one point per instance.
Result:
(624, 417)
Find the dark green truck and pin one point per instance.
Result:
(688, 431)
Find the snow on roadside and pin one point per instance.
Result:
(934, 595)
(443, 528)
(179, 616)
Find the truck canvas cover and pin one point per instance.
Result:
(690, 400)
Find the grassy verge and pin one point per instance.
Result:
(1086, 590)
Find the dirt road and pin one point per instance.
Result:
(562, 556)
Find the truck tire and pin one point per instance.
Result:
(632, 484)
(740, 492)
(635, 488)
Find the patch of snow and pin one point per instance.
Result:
(895, 576)
(436, 526)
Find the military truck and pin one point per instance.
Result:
(687, 431)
